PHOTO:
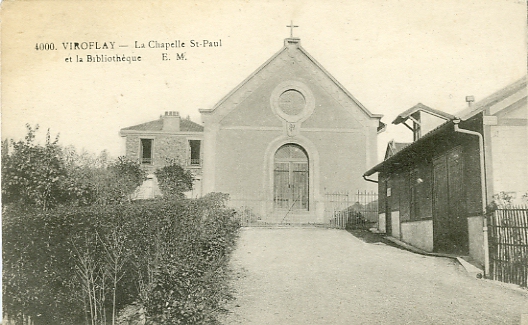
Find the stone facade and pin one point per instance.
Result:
(164, 148)
(169, 140)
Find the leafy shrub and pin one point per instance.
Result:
(31, 173)
(173, 180)
(104, 183)
(45, 176)
(36, 267)
(119, 180)
(167, 257)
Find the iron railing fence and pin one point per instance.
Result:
(341, 210)
(508, 243)
(348, 210)
(194, 162)
(248, 209)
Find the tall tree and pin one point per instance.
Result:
(31, 173)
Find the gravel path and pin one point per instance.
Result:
(328, 276)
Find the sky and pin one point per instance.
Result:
(390, 54)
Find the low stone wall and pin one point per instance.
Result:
(476, 239)
(418, 234)
(395, 223)
(382, 223)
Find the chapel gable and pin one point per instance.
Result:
(299, 78)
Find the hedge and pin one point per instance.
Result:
(165, 259)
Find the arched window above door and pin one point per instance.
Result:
(291, 152)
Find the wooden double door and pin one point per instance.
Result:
(450, 228)
(291, 178)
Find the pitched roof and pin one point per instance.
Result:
(317, 64)
(421, 107)
(409, 151)
(394, 147)
(397, 146)
(463, 115)
(493, 99)
(157, 125)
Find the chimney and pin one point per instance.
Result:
(171, 121)
(470, 100)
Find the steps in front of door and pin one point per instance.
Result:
(290, 219)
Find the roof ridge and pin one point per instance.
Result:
(313, 60)
(494, 96)
(157, 125)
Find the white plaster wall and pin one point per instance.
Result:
(395, 222)
(418, 234)
(382, 227)
(509, 159)
(429, 122)
(476, 239)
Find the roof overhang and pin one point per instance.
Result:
(401, 118)
(381, 127)
(409, 151)
(497, 101)
(124, 133)
(502, 98)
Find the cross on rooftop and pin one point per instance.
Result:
(292, 26)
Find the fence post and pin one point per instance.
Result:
(486, 247)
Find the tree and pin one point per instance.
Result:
(173, 180)
(98, 179)
(31, 174)
(127, 175)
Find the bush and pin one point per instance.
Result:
(31, 173)
(93, 182)
(85, 264)
(173, 180)
(46, 176)
(118, 181)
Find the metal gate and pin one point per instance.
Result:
(508, 241)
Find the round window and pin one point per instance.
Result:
(292, 102)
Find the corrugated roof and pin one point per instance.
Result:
(157, 125)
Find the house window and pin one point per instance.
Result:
(195, 152)
(421, 191)
(146, 151)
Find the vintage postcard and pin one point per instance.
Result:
(365, 162)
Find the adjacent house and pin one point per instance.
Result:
(433, 192)
(169, 138)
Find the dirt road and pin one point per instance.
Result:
(328, 276)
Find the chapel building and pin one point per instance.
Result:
(283, 138)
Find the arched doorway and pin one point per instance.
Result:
(291, 180)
